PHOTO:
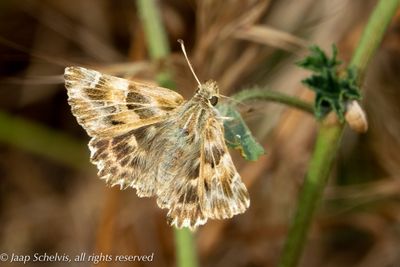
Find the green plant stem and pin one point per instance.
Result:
(159, 49)
(42, 141)
(258, 94)
(186, 254)
(326, 146)
(328, 139)
(373, 35)
(157, 41)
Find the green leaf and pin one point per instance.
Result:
(331, 90)
(238, 135)
(318, 60)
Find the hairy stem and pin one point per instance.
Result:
(159, 49)
(258, 94)
(328, 139)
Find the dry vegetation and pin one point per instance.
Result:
(51, 206)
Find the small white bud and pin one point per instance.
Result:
(355, 117)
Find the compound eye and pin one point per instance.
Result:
(213, 100)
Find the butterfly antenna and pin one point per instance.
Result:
(187, 60)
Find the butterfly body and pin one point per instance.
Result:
(151, 139)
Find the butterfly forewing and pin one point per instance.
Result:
(106, 105)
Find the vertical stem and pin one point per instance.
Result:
(185, 253)
(159, 49)
(327, 143)
(328, 139)
(157, 41)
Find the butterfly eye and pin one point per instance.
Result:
(213, 100)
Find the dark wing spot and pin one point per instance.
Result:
(144, 136)
(125, 161)
(140, 134)
(103, 82)
(217, 153)
(206, 185)
(99, 155)
(214, 156)
(121, 150)
(100, 144)
(145, 113)
(133, 106)
(120, 138)
(189, 196)
(194, 171)
(135, 97)
(116, 122)
(226, 187)
(142, 111)
(166, 108)
(95, 94)
(208, 158)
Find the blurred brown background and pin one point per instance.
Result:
(49, 204)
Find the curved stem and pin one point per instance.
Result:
(328, 139)
(273, 96)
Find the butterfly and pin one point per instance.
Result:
(151, 139)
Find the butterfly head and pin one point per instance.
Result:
(209, 91)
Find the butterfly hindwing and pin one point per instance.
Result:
(205, 184)
(223, 194)
(179, 175)
(125, 160)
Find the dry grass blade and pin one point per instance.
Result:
(269, 36)
(246, 19)
(386, 187)
(238, 68)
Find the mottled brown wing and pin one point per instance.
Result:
(207, 184)
(107, 106)
(127, 160)
(178, 176)
(122, 118)
(222, 192)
